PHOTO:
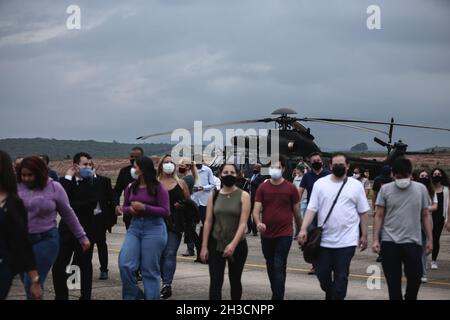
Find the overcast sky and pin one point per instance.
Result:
(139, 67)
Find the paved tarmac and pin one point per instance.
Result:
(192, 279)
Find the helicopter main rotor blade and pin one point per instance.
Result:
(375, 122)
(208, 126)
(350, 126)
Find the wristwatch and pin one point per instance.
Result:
(35, 280)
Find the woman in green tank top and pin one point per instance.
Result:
(224, 234)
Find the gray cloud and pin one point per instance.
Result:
(149, 66)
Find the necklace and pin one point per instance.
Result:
(228, 195)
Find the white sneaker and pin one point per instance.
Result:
(424, 279)
(434, 265)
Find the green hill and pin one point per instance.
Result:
(62, 149)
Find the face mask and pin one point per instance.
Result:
(339, 171)
(436, 179)
(229, 180)
(168, 168)
(182, 170)
(133, 174)
(199, 166)
(132, 161)
(256, 171)
(275, 173)
(86, 173)
(316, 165)
(356, 176)
(424, 181)
(403, 183)
(30, 184)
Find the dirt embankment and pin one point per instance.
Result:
(105, 167)
(428, 160)
(111, 167)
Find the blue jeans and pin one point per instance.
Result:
(45, 249)
(169, 258)
(303, 206)
(6, 279)
(332, 269)
(276, 251)
(143, 246)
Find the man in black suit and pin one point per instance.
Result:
(255, 181)
(104, 219)
(123, 180)
(81, 191)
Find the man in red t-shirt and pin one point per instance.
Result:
(277, 200)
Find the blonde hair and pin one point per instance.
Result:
(160, 172)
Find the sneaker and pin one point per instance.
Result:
(103, 275)
(379, 259)
(188, 253)
(434, 265)
(424, 279)
(312, 271)
(166, 292)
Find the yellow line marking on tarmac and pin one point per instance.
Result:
(261, 266)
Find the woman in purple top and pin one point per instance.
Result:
(43, 198)
(147, 201)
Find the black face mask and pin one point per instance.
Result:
(256, 171)
(436, 179)
(182, 170)
(229, 180)
(199, 166)
(424, 181)
(316, 165)
(338, 171)
(30, 184)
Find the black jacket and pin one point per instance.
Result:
(123, 180)
(52, 174)
(14, 236)
(104, 192)
(83, 200)
(191, 213)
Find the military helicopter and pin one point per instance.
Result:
(296, 142)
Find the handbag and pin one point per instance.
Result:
(311, 248)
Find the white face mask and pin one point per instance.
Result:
(133, 174)
(168, 168)
(403, 183)
(275, 173)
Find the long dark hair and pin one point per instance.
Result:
(216, 192)
(444, 175)
(147, 168)
(428, 184)
(38, 167)
(8, 181)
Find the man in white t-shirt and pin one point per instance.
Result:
(345, 229)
